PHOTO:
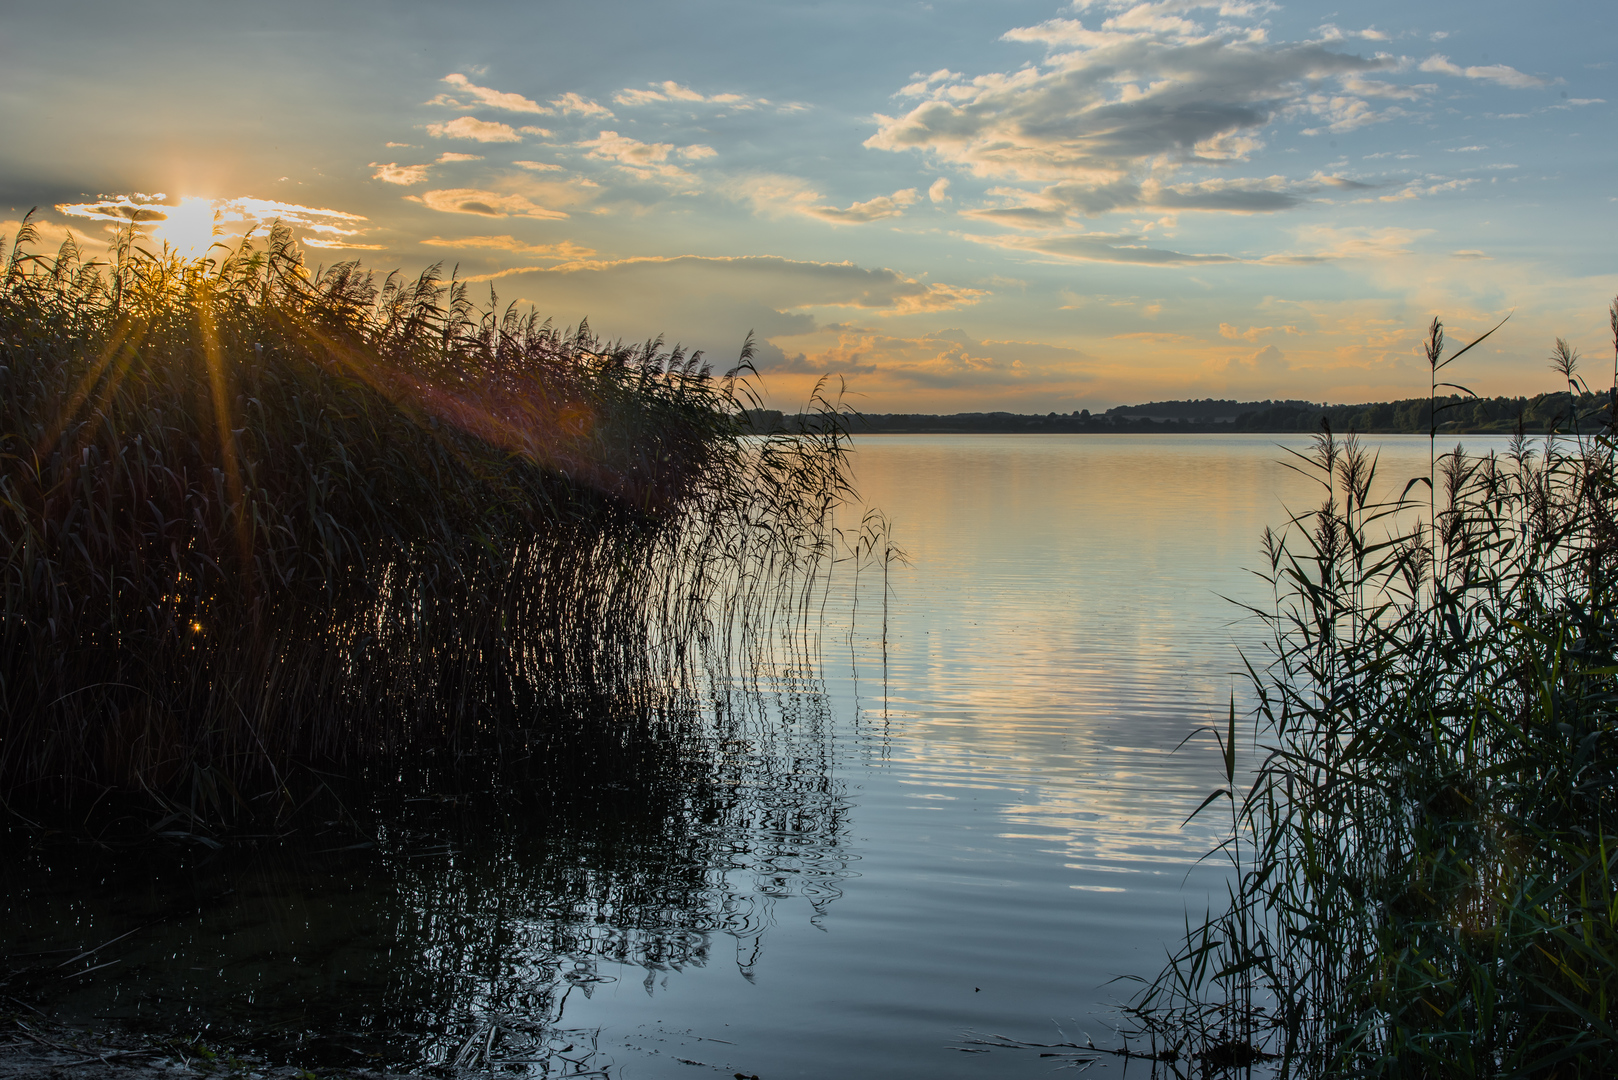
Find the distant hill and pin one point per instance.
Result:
(1457, 416)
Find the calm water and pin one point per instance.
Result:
(975, 827)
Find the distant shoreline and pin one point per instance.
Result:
(858, 427)
(1412, 416)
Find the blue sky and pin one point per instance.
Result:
(954, 206)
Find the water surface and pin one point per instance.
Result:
(968, 815)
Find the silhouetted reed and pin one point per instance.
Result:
(255, 518)
(1426, 874)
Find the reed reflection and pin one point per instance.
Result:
(457, 927)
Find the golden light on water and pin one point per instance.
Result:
(188, 229)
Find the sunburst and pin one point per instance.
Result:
(187, 229)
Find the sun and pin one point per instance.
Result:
(188, 229)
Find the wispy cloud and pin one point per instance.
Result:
(1059, 205)
(1102, 247)
(1324, 243)
(1424, 186)
(671, 91)
(860, 213)
(450, 157)
(1495, 73)
(571, 102)
(230, 215)
(777, 195)
(484, 203)
(470, 127)
(340, 245)
(643, 160)
(1268, 362)
(945, 360)
(475, 96)
(1252, 333)
(781, 284)
(1330, 32)
(564, 251)
(399, 174)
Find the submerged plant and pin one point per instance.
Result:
(255, 518)
(1426, 858)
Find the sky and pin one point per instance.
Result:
(948, 206)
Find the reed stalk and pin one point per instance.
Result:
(1425, 859)
(258, 519)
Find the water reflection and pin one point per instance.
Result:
(676, 888)
(460, 927)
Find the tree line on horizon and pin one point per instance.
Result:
(1457, 415)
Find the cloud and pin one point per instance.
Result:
(470, 127)
(1375, 88)
(776, 195)
(51, 235)
(231, 217)
(1431, 185)
(565, 250)
(645, 161)
(537, 166)
(860, 213)
(671, 91)
(1495, 73)
(946, 359)
(939, 190)
(1324, 243)
(1330, 32)
(1147, 91)
(1239, 196)
(1135, 104)
(485, 203)
(1268, 361)
(573, 103)
(482, 95)
(1060, 204)
(123, 209)
(450, 157)
(1469, 253)
(1346, 112)
(1321, 244)
(1252, 333)
(399, 174)
(340, 245)
(784, 285)
(1101, 247)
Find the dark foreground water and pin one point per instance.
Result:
(972, 822)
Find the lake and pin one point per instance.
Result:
(970, 821)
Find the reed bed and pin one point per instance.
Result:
(1426, 856)
(259, 521)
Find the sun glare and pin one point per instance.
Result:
(188, 228)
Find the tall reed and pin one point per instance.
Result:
(1426, 856)
(255, 517)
